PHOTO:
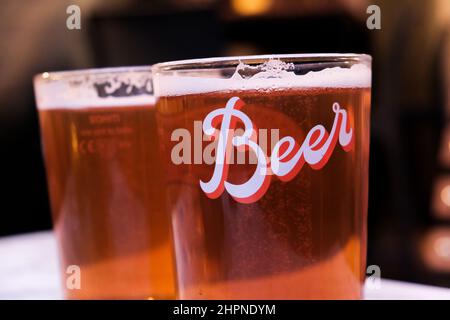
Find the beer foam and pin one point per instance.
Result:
(357, 76)
(96, 88)
(95, 102)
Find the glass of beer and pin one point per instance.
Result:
(266, 169)
(99, 139)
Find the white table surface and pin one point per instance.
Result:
(29, 270)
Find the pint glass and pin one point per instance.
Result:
(98, 131)
(266, 168)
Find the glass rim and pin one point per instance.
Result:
(230, 61)
(93, 87)
(68, 74)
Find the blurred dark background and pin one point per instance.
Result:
(409, 205)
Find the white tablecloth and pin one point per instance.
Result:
(29, 270)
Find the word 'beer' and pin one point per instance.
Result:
(295, 229)
(104, 182)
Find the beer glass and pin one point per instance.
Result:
(266, 168)
(99, 139)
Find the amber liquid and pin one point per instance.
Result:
(104, 180)
(305, 238)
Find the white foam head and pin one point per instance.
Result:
(80, 89)
(275, 74)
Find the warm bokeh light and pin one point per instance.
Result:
(441, 197)
(445, 195)
(442, 247)
(251, 7)
(436, 249)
